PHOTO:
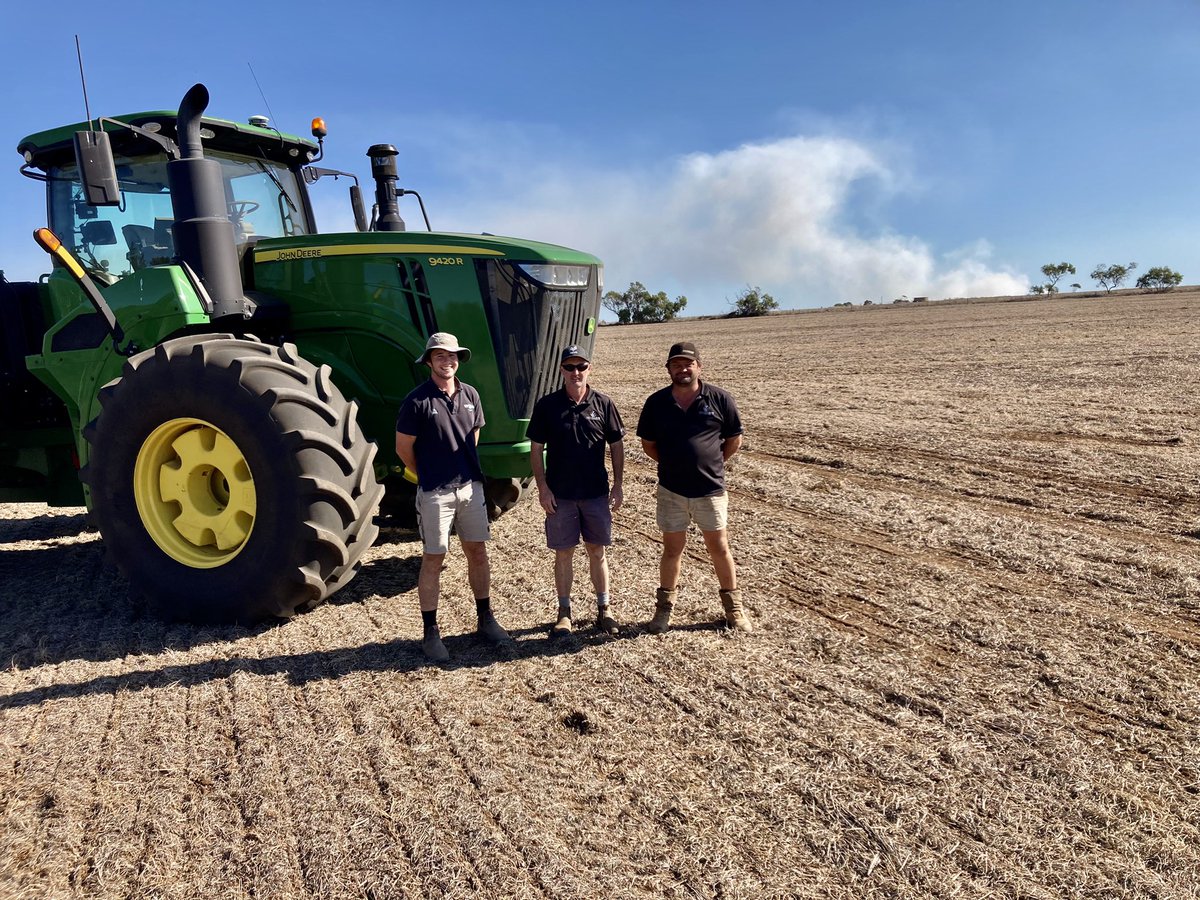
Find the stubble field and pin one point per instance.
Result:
(969, 537)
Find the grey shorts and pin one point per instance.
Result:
(573, 519)
(675, 511)
(462, 507)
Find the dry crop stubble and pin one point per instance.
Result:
(969, 536)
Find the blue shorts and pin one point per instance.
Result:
(573, 519)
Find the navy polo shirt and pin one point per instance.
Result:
(444, 428)
(690, 462)
(575, 435)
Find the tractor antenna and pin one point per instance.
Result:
(83, 80)
(260, 91)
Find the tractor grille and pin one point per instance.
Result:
(530, 325)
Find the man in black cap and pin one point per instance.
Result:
(574, 425)
(437, 433)
(691, 428)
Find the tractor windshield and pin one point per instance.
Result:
(263, 199)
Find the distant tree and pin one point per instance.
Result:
(1039, 289)
(1160, 278)
(1076, 286)
(636, 305)
(621, 305)
(753, 301)
(1111, 277)
(1053, 272)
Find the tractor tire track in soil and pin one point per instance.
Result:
(967, 538)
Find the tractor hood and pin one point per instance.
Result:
(437, 245)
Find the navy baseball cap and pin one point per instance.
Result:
(574, 350)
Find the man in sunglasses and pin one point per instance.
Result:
(691, 428)
(574, 425)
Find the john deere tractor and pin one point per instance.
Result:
(218, 382)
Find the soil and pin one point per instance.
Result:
(969, 539)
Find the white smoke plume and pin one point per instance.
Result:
(779, 214)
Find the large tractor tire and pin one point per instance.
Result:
(229, 480)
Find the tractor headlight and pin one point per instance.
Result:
(556, 276)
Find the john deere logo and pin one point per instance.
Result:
(302, 253)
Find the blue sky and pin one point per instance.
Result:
(827, 152)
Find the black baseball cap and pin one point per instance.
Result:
(686, 349)
(574, 350)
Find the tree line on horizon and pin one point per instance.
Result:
(1109, 277)
(636, 305)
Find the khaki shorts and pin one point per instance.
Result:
(462, 507)
(675, 512)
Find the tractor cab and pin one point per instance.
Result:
(260, 171)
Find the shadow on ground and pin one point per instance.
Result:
(397, 655)
(60, 603)
(43, 528)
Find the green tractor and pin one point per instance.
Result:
(218, 383)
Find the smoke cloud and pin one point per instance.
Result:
(785, 215)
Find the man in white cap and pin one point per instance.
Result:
(574, 425)
(437, 433)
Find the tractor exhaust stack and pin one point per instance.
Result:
(203, 234)
(383, 170)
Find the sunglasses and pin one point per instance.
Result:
(576, 367)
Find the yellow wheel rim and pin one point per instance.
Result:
(194, 492)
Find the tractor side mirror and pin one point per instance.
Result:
(356, 204)
(97, 168)
(98, 233)
(313, 173)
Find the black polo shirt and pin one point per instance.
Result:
(444, 428)
(575, 435)
(690, 462)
